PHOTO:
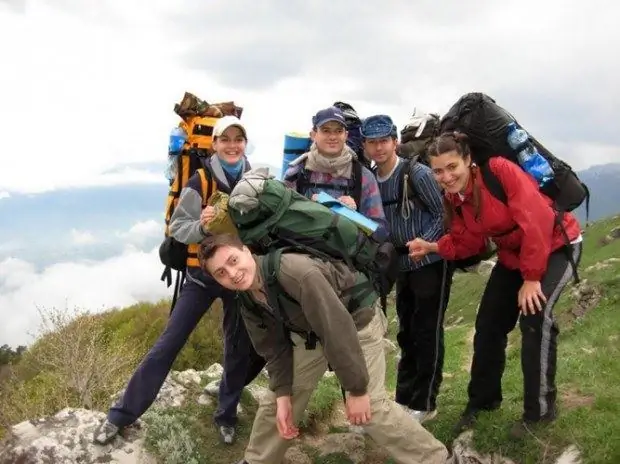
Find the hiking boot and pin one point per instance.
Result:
(227, 434)
(466, 422)
(105, 433)
(421, 416)
(212, 389)
(522, 428)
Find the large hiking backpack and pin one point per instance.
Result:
(486, 124)
(355, 141)
(197, 121)
(417, 135)
(268, 216)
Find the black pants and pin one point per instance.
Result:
(241, 362)
(420, 336)
(497, 316)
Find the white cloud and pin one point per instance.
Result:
(113, 71)
(116, 282)
(82, 237)
(4, 195)
(142, 232)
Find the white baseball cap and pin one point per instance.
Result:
(225, 122)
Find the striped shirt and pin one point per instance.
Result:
(371, 204)
(427, 225)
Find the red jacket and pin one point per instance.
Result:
(528, 212)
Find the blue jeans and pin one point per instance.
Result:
(241, 362)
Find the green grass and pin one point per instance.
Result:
(588, 377)
(588, 380)
(187, 435)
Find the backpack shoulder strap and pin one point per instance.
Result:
(492, 183)
(357, 181)
(207, 185)
(301, 177)
(277, 297)
(406, 184)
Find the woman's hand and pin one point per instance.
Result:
(531, 297)
(419, 248)
(207, 215)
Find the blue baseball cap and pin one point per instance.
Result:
(328, 114)
(378, 127)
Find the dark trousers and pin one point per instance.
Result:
(497, 316)
(422, 297)
(241, 362)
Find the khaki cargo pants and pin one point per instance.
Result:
(391, 427)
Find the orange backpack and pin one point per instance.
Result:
(197, 120)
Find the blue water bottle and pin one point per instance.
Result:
(176, 141)
(529, 158)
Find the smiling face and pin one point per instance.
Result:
(451, 170)
(230, 146)
(380, 150)
(232, 267)
(330, 138)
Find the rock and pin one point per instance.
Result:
(614, 234)
(571, 455)
(389, 345)
(205, 400)
(175, 388)
(463, 449)
(586, 297)
(352, 445)
(188, 377)
(294, 455)
(215, 371)
(258, 392)
(66, 438)
(602, 264)
(212, 388)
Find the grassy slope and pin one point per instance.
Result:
(588, 374)
(587, 378)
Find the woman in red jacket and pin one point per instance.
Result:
(533, 266)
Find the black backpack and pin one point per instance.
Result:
(355, 141)
(486, 125)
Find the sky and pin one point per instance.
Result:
(87, 90)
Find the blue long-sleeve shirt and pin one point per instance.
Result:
(427, 225)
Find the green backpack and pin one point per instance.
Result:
(270, 216)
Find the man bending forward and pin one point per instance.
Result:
(299, 322)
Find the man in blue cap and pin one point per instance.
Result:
(331, 166)
(413, 206)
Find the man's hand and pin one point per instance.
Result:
(358, 409)
(531, 297)
(284, 418)
(348, 201)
